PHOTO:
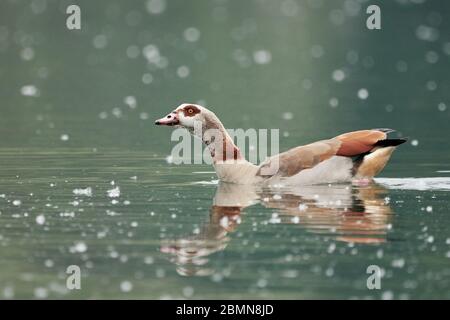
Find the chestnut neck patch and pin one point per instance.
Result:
(190, 111)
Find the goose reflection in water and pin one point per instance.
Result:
(354, 214)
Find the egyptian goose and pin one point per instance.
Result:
(357, 155)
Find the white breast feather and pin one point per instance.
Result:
(334, 170)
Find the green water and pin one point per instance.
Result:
(173, 232)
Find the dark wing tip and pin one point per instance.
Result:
(391, 142)
(385, 130)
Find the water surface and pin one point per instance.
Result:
(174, 233)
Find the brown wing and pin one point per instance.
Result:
(358, 142)
(349, 144)
(291, 162)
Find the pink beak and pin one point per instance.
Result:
(170, 120)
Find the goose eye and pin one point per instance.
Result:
(190, 111)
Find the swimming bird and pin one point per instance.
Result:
(357, 155)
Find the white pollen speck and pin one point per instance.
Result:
(446, 48)
(191, 34)
(431, 57)
(67, 214)
(40, 219)
(442, 107)
(426, 33)
(29, 91)
(151, 53)
(49, 263)
(262, 283)
(188, 292)
(290, 274)
(295, 219)
(27, 54)
(147, 78)
(331, 248)
(64, 137)
(114, 192)
(79, 247)
(338, 75)
(130, 101)
(334, 102)
(224, 222)
(149, 260)
(116, 112)
(133, 52)
(415, 143)
(41, 293)
(302, 207)
(431, 85)
(17, 203)
(262, 56)
(275, 219)
(183, 71)
(126, 286)
(217, 277)
(287, 115)
(83, 192)
(363, 94)
(111, 213)
(317, 51)
(169, 159)
(100, 41)
(429, 209)
(329, 272)
(398, 263)
(387, 295)
(156, 6)
(103, 115)
(380, 253)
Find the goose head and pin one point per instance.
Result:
(186, 115)
(203, 124)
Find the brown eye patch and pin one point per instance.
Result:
(190, 111)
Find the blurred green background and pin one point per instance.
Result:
(255, 63)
